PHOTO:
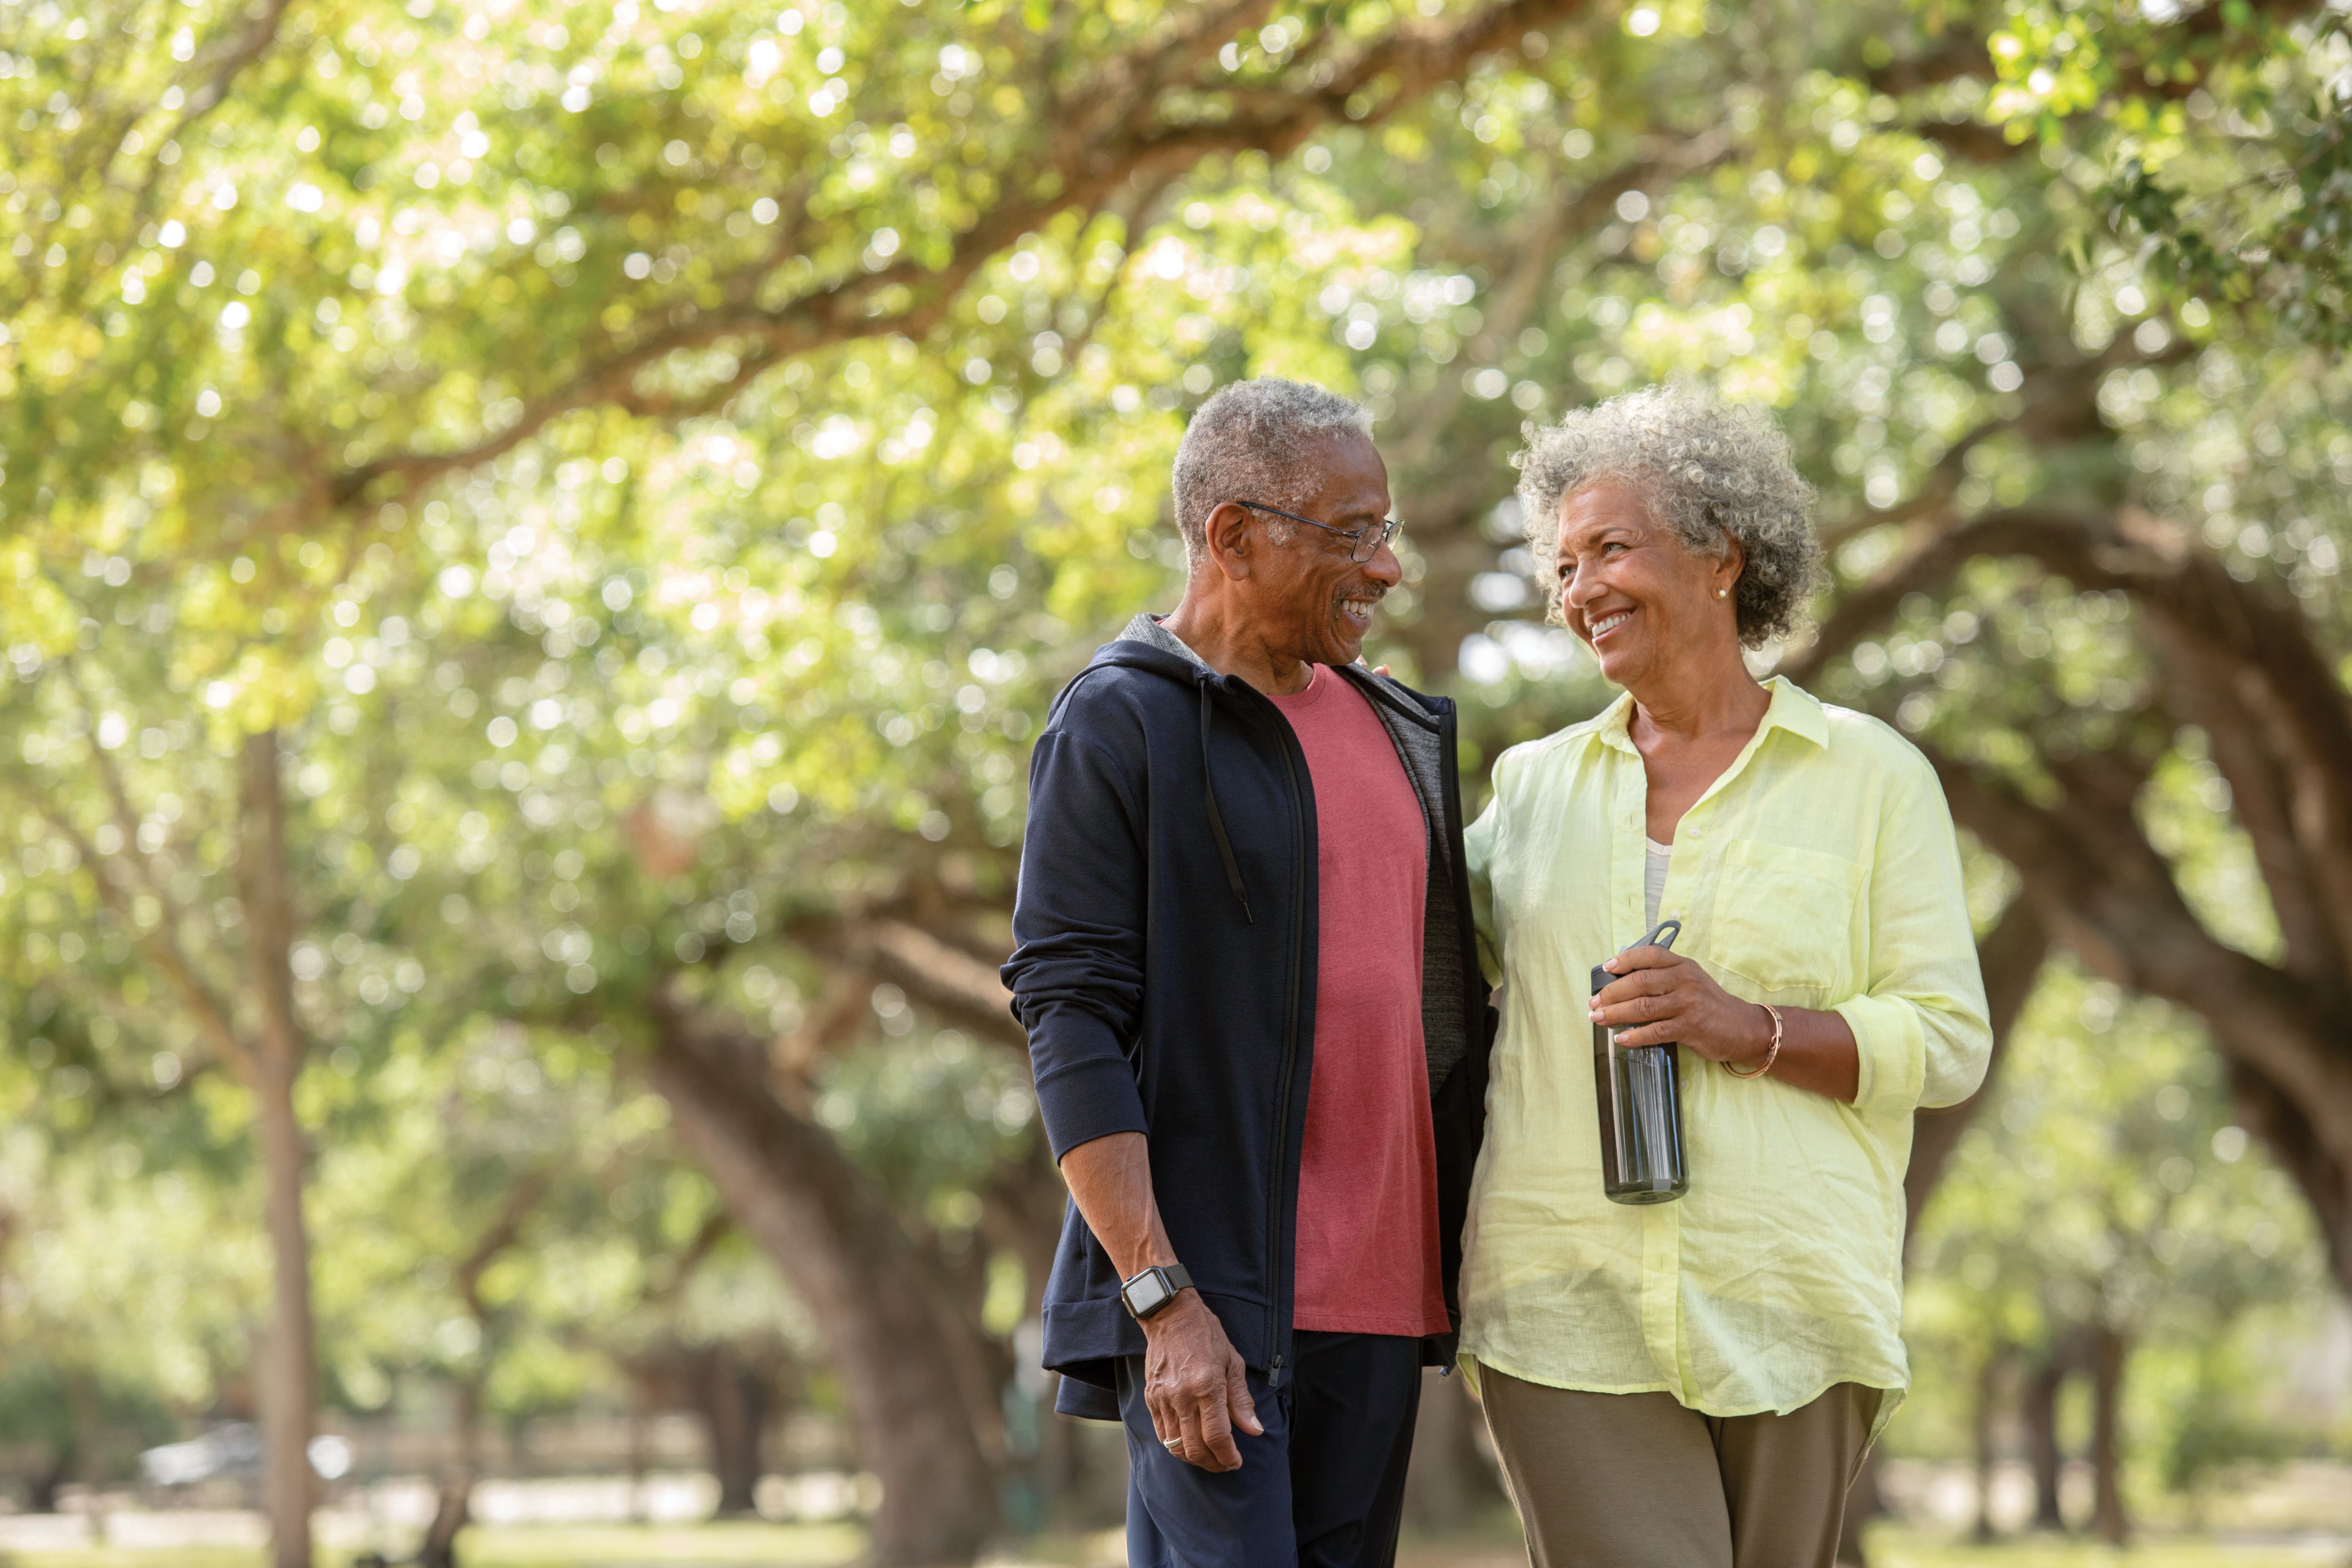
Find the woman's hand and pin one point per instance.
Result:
(1660, 995)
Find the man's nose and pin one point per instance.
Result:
(1384, 568)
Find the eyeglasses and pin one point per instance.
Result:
(1363, 543)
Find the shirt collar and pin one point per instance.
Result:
(1792, 708)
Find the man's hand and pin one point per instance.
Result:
(1195, 1385)
(1194, 1381)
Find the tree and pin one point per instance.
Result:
(652, 508)
(525, 297)
(2103, 1215)
(2227, 612)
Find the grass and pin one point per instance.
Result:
(1897, 1546)
(825, 1546)
(537, 1546)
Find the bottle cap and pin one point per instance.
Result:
(1662, 934)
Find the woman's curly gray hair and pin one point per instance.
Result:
(1711, 474)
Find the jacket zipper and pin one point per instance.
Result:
(1280, 1336)
(1466, 932)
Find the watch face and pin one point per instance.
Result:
(1147, 1294)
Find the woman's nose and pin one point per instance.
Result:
(1578, 587)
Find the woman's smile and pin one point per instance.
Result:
(1600, 626)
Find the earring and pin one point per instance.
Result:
(1723, 593)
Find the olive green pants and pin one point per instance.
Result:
(1636, 1480)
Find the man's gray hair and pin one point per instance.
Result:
(1709, 473)
(1249, 443)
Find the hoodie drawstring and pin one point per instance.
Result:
(1216, 817)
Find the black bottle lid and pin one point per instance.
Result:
(1662, 934)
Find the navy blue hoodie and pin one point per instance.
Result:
(1164, 968)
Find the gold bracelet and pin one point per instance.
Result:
(1770, 1056)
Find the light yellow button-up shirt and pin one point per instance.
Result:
(1820, 871)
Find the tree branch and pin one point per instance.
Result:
(1539, 251)
(2248, 642)
(2273, 1116)
(264, 888)
(2107, 893)
(2059, 404)
(832, 1020)
(522, 1198)
(211, 1014)
(1862, 610)
(944, 975)
(1086, 162)
(2236, 710)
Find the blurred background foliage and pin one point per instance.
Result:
(534, 537)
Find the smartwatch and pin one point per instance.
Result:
(1153, 1290)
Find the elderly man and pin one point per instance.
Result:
(1246, 964)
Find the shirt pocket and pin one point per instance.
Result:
(1784, 917)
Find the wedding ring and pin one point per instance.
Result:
(1171, 1443)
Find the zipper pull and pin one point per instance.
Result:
(1274, 1373)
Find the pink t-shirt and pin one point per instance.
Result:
(1366, 1251)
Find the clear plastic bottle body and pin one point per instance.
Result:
(1639, 1091)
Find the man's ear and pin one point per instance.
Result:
(1232, 536)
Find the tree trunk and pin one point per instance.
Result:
(41, 1490)
(451, 1507)
(640, 1413)
(287, 1360)
(832, 1234)
(452, 1512)
(2011, 956)
(2108, 1353)
(1988, 1407)
(732, 1402)
(470, 1424)
(287, 1378)
(88, 1446)
(2039, 1409)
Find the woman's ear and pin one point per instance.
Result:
(1729, 570)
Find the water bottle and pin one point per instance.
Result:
(1639, 1089)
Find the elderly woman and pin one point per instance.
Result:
(1692, 1384)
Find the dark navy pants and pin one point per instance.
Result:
(1324, 1488)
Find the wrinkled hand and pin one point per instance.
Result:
(1195, 1385)
(1661, 996)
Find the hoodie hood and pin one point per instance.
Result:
(1146, 630)
(1147, 645)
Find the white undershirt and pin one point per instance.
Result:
(1654, 879)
